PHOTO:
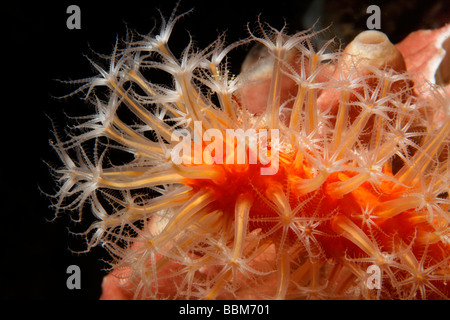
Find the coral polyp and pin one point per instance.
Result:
(353, 175)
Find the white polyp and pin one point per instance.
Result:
(373, 48)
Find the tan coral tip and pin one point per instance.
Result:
(373, 48)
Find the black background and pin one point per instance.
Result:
(39, 49)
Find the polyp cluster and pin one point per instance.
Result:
(362, 177)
